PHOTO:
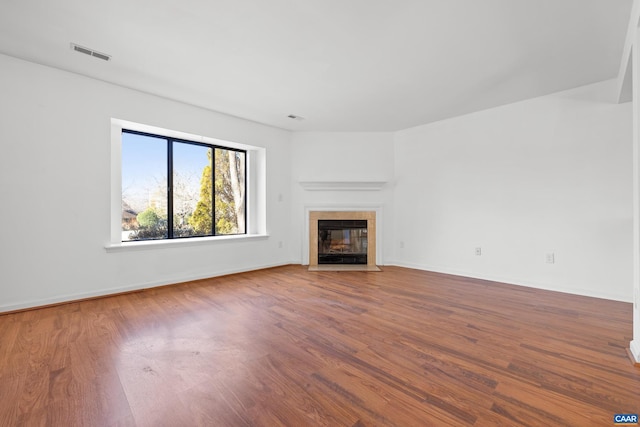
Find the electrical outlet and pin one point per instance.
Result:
(551, 258)
(401, 244)
(280, 244)
(478, 251)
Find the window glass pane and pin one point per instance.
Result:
(144, 187)
(191, 190)
(229, 191)
(207, 188)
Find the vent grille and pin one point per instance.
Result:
(90, 52)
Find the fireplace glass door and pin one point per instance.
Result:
(342, 241)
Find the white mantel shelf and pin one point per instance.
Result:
(342, 185)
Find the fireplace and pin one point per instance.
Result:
(342, 240)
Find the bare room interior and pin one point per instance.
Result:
(305, 213)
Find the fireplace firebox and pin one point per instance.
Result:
(342, 241)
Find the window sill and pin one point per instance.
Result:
(179, 243)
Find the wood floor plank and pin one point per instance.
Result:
(289, 347)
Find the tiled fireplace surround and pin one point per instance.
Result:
(315, 214)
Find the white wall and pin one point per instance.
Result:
(552, 174)
(55, 174)
(348, 157)
(547, 175)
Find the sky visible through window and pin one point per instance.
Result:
(144, 168)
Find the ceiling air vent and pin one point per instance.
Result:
(90, 52)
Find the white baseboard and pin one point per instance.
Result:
(187, 278)
(634, 346)
(513, 281)
(137, 287)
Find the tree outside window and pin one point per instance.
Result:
(175, 188)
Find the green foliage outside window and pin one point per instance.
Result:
(220, 194)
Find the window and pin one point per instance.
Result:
(175, 188)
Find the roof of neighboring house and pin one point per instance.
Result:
(128, 212)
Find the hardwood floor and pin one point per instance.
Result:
(288, 347)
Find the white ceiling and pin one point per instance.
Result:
(344, 65)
